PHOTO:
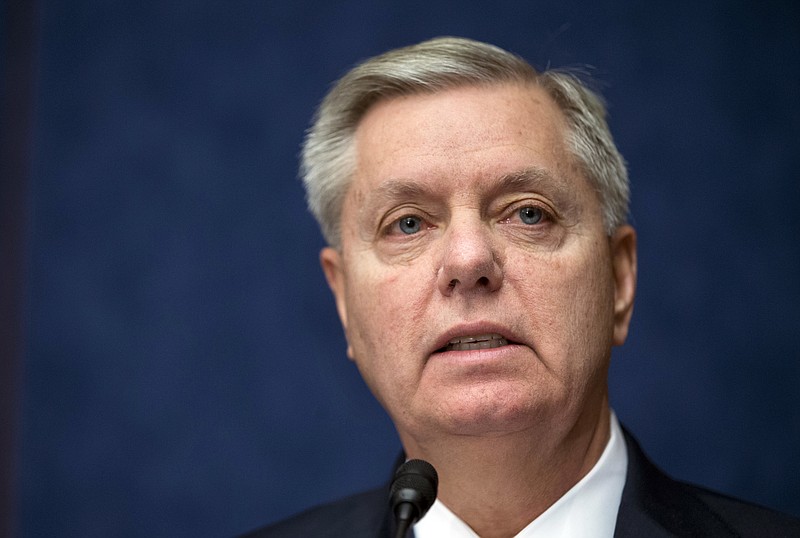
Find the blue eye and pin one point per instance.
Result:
(531, 215)
(410, 225)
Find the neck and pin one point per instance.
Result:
(499, 484)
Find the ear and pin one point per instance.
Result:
(333, 267)
(623, 253)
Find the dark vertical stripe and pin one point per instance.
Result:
(16, 99)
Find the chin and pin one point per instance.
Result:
(492, 414)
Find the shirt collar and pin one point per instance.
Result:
(587, 510)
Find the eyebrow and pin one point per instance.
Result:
(524, 179)
(535, 179)
(394, 191)
(529, 179)
(400, 189)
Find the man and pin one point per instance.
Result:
(483, 269)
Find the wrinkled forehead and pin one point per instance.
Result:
(450, 99)
(462, 130)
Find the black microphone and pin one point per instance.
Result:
(413, 492)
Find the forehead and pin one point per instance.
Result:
(461, 131)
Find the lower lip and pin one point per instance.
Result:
(479, 355)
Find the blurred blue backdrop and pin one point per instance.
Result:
(185, 370)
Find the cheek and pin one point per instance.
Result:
(393, 295)
(570, 306)
(386, 321)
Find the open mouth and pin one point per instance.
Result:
(470, 343)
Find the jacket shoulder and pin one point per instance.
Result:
(747, 519)
(655, 505)
(360, 515)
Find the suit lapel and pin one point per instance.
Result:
(656, 506)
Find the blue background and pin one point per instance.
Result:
(185, 370)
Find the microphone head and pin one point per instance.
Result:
(415, 482)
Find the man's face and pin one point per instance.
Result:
(479, 292)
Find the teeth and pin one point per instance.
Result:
(469, 343)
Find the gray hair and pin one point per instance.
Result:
(328, 155)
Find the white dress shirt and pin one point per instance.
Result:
(587, 510)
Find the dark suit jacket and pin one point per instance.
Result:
(653, 506)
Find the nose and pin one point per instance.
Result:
(469, 260)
